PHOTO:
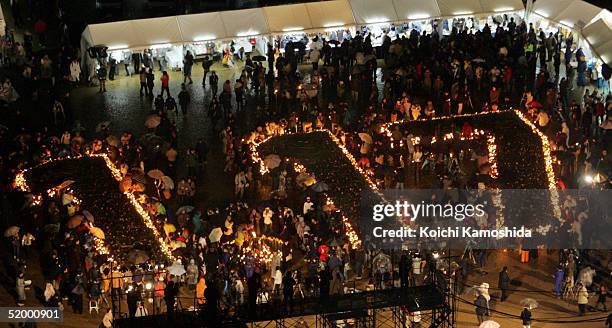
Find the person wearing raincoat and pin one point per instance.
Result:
(192, 274)
(200, 289)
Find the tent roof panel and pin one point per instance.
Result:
(288, 18)
(459, 7)
(598, 33)
(201, 27)
(550, 8)
(114, 35)
(161, 30)
(330, 13)
(371, 12)
(244, 22)
(605, 52)
(413, 9)
(577, 14)
(501, 5)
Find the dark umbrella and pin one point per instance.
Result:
(320, 187)
(259, 58)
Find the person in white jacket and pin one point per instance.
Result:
(75, 71)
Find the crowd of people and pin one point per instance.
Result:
(249, 251)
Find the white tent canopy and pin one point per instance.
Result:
(277, 19)
(593, 22)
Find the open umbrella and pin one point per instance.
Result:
(534, 104)
(156, 174)
(112, 140)
(320, 187)
(74, 221)
(215, 235)
(12, 231)
(185, 209)
(176, 244)
(310, 181)
(478, 60)
(152, 121)
(365, 137)
(65, 184)
(97, 232)
(259, 58)
(88, 216)
(607, 125)
(138, 178)
(167, 182)
(176, 269)
(272, 161)
(137, 256)
(302, 177)
(489, 324)
(529, 303)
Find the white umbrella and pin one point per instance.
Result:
(11, 231)
(167, 182)
(176, 269)
(156, 174)
(529, 303)
(365, 138)
(489, 324)
(272, 161)
(607, 125)
(215, 235)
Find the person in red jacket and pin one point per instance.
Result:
(165, 83)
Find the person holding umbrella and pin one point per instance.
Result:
(481, 308)
(526, 317)
(583, 298)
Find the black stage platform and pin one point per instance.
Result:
(419, 298)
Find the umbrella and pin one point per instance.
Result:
(112, 140)
(96, 232)
(607, 125)
(310, 181)
(320, 187)
(65, 184)
(167, 182)
(272, 161)
(489, 324)
(139, 178)
(74, 221)
(156, 174)
(152, 121)
(401, 71)
(102, 126)
(12, 231)
(176, 269)
(137, 256)
(529, 303)
(302, 177)
(185, 209)
(259, 58)
(215, 235)
(88, 215)
(478, 60)
(365, 137)
(176, 244)
(534, 104)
